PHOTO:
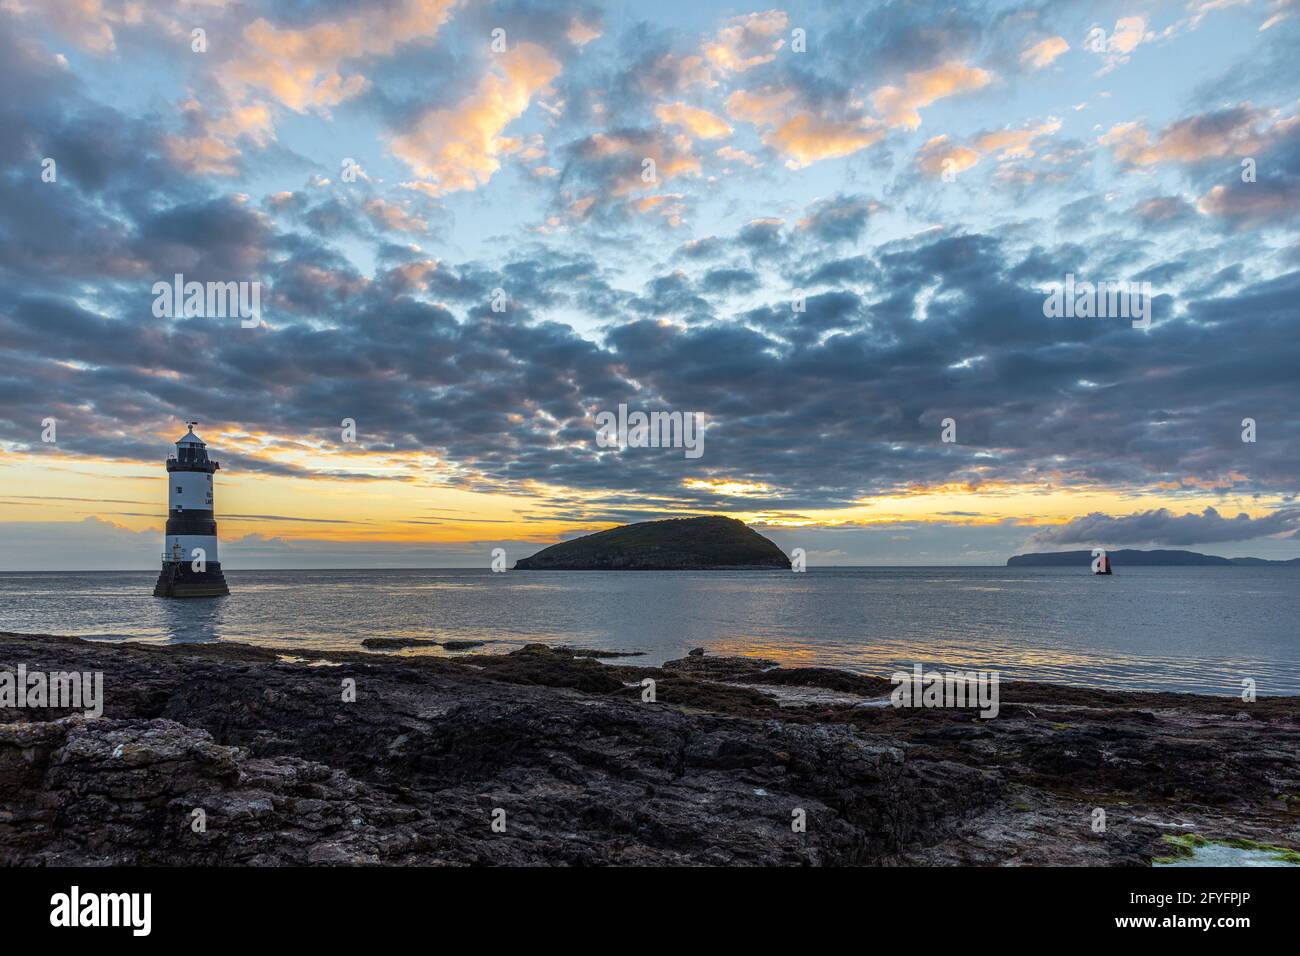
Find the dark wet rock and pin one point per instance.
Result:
(121, 792)
(396, 643)
(399, 643)
(824, 677)
(710, 696)
(549, 667)
(719, 668)
(696, 652)
(602, 655)
(588, 773)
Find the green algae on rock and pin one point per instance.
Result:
(1191, 849)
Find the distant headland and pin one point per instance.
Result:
(1139, 559)
(712, 542)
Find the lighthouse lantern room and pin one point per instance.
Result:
(191, 566)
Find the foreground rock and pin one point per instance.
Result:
(713, 772)
(403, 643)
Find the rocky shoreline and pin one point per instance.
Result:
(416, 769)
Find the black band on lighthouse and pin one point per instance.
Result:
(191, 522)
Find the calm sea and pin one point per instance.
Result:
(1191, 629)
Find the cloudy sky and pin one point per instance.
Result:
(475, 225)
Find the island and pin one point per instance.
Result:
(710, 542)
(1141, 559)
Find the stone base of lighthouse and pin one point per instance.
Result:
(179, 580)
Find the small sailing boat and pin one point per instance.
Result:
(1103, 565)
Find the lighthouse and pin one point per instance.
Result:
(191, 566)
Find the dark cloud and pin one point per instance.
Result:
(839, 219)
(762, 235)
(854, 270)
(900, 36)
(727, 281)
(1165, 212)
(1161, 526)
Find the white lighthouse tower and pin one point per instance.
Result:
(191, 566)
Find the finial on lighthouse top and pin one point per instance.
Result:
(191, 454)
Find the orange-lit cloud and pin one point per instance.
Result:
(303, 68)
(92, 24)
(767, 107)
(801, 135)
(941, 154)
(1234, 131)
(391, 215)
(581, 33)
(1016, 143)
(807, 138)
(526, 149)
(1128, 34)
(87, 23)
(898, 106)
(747, 41)
(1280, 10)
(210, 149)
(1044, 52)
(203, 155)
(732, 155)
(671, 154)
(298, 68)
(700, 123)
(1252, 204)
(730, 487)
(671, 73)
(459, 148)
(670, 206)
